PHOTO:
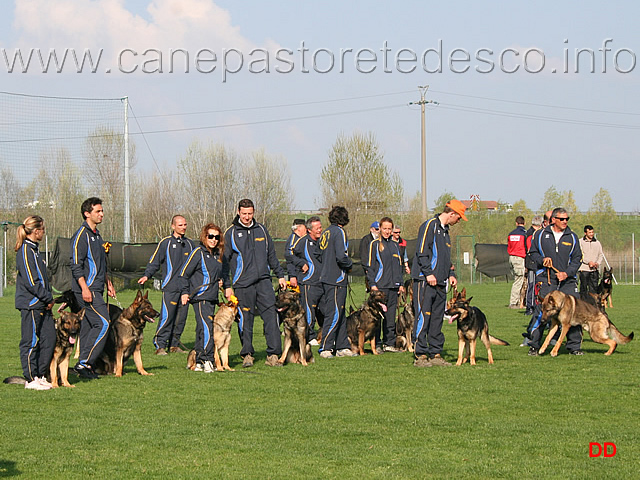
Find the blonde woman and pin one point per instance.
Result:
(34, 300)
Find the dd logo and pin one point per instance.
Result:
(596, 449)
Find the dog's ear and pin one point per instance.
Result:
(146, 295)
(138, 296)
(469, 299)
(463, 293)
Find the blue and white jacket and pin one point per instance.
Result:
(199, 276)
(33, 291)
(170, 255)
(88, 259)
(307, 252)
(335, 258)
(566, 255)
(384, 263)
(433, 252)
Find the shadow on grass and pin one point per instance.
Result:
(8, 469)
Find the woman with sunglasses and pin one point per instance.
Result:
(34, 300)
(200, 281)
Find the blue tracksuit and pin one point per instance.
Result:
(307, 252)
(169, 256)
(89, 260)
(33, 295)
(333, 276)
(251, 256)
(384, 271)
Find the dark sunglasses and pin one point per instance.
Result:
(397, 233)
(211, 236)
(564, 219)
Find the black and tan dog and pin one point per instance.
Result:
(566, 311)
(364, 323)
(471, 324)
(294, 326)
(606, 287)
(125, 337)
(405, 318)
(67, 330)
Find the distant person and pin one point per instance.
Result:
(89, 272)
(530, 266)
(308, 263)
(34, 300)
(251, 256)
(431, 271)
(374, 232)
(395, 235)
(299, 230)
(556, 252)
(170, 255)
(336, 265)
(517, 250)
(592, 257)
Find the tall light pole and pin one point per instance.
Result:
(423, 144)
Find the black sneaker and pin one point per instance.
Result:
(85, 372)
(533, 352)
(576, 352)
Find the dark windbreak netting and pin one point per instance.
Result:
(493, 260)
(125, 260)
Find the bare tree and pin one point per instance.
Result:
(9, 190)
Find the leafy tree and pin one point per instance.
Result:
(442, 201)
(552, 198)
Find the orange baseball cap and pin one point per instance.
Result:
(458, 207)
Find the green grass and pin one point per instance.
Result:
(373, 417)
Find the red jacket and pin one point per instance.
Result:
(515, 242)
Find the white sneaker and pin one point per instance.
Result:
(199, 367)
(314, 343)
(346, 352)
(208, 367)
(326, 354)
(43, 381)
(35, 385)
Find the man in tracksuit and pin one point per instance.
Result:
(333, 276)
(431, 270)
(170, 255)
(251, 254)
(299, 230)
(89, 271)
(307, 260)
(384, 271)
(557, 255)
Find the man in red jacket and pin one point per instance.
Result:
(517, 251)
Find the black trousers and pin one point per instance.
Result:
(37, 343)
(574, 336)
(93, 329)
(204, 331)
(334, 330)
(173, 317)
(589, 281)
(429, 305)
(258, 298)
(388, 327)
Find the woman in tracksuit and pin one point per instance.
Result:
(34, 300)
(199, 283)
(384, 273)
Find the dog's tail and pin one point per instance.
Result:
(618, 337)
(496, 341)
(15, 380)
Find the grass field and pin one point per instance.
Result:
(363, 417)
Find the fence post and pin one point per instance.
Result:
(1, 271)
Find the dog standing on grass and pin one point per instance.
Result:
(606, 287)
(471, 324)
(67, 330)
(294, 325)
(364, 323)
(565, 311)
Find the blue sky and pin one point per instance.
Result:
(503, 136)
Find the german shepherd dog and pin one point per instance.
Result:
(605, 287)
(364, 323)
(294, 324)
(405, 318)
(565, 311)
(125, 337)
(67, 329)
(471, 324)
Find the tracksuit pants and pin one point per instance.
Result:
(388, 327)
(93, 329)
(173, 317)
(574, 336)
(37, 343)
(310, 297)
(258, 298)
(429, 304)
(204, 331)
(334, 330)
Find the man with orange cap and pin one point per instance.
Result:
(431, 270)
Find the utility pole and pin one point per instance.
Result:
(423, 145)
